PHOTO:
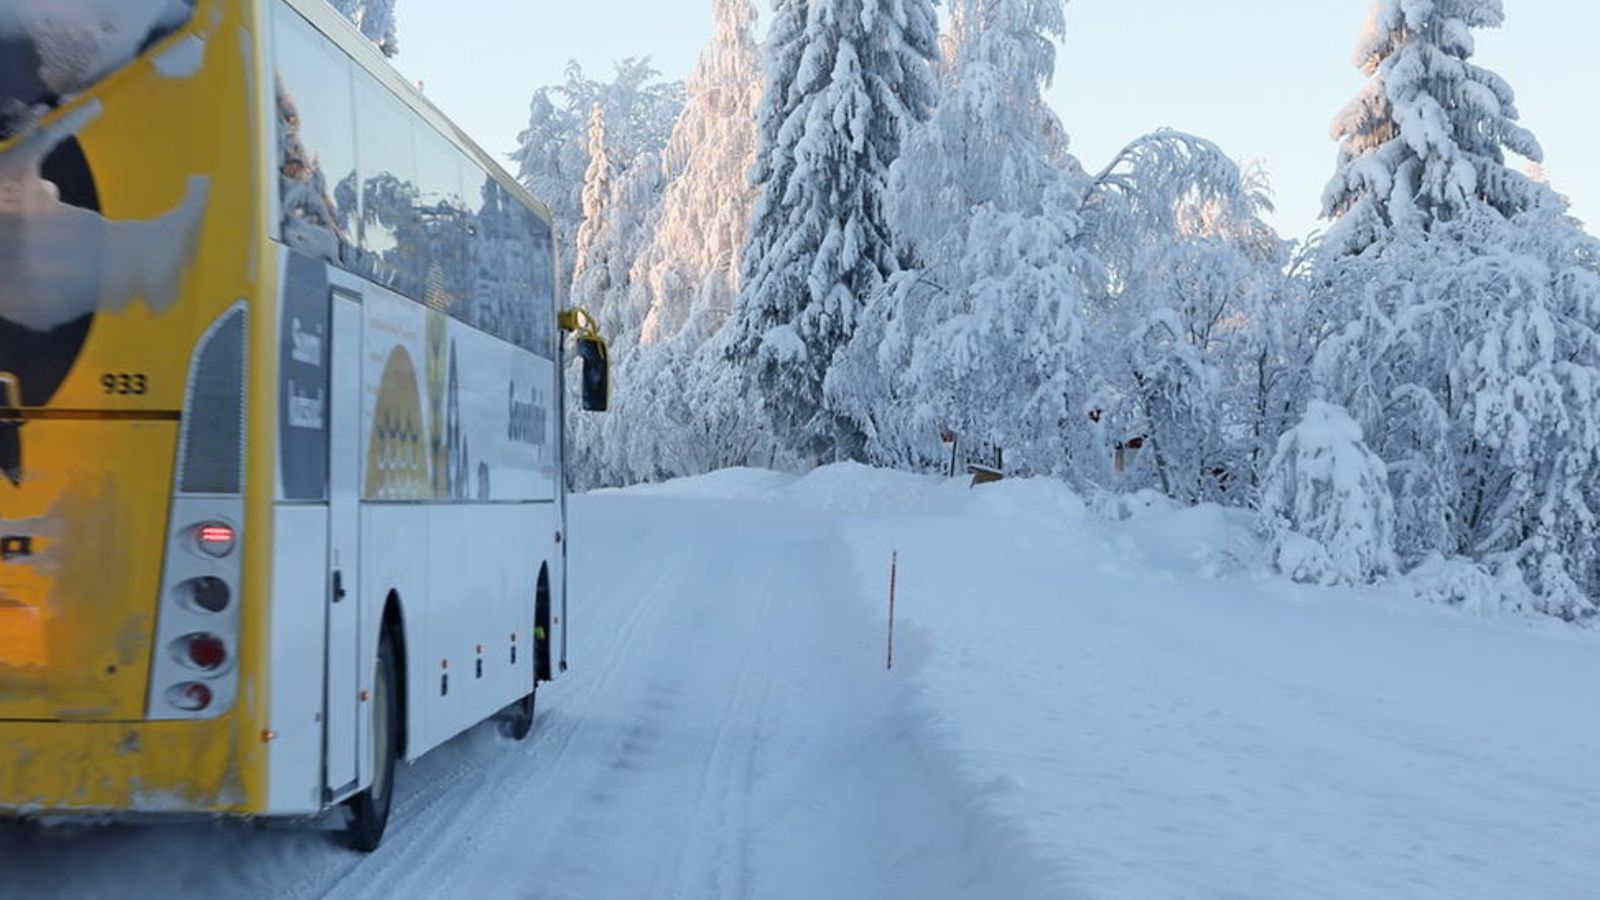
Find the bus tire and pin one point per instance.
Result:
(369, 810)
(516, 722)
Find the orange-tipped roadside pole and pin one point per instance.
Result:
(894, 567)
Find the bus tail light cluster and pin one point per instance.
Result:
(194, 672)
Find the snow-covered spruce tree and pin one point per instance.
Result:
(845, 80)
(1325, 505)
(591, 272)
(621, 209)
(591, 288)
(375, 18)
(981, 334)
(1469, 347)
(687, 275)
(690, 268)
(1426, 140)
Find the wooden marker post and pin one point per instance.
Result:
(894, 567)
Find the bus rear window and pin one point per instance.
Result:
(53, 49)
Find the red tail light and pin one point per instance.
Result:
(216, 539)
(191, 696)
(205, 652)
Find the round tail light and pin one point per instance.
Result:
(205, 652)
(206, 594)
(191, 696)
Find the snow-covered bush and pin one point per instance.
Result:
(1469, 586)
(1325, 505)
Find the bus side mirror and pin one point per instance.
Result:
(596, 378)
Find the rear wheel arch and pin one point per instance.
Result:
(394, 626)
(542, 655)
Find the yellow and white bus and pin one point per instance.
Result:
(281, 493)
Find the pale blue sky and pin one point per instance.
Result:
(1262, 78)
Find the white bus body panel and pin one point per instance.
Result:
(300, 554)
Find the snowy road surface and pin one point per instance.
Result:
(1104, 704)
(727, 730)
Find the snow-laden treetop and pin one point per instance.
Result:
(1427, 138)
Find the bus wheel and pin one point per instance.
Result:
(516, 722)
(369, 810)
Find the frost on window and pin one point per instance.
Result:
(53, 49)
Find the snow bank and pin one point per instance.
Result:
(847, 487)
(724, 484)
(1157, 715)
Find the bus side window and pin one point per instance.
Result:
(446, 225)
(316, 164)
(485, 278)
(393, 244)
(541, 296)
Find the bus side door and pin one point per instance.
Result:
(342, 702)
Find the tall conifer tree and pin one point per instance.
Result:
(1465, 313)
(1426, 139)
(846, 78)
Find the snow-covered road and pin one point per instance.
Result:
(727, 730)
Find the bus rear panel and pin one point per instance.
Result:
(129, 240)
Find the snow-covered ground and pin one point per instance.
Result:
(1155, 720)
(1084, 703)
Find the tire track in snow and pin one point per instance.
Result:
(498, 796)
(721, 810)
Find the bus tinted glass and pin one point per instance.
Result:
(444, 224)
(53, 50)
(390, 238)
(316, 142)
(367, 183)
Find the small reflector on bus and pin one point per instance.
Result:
(191, 696)
(215, 538)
